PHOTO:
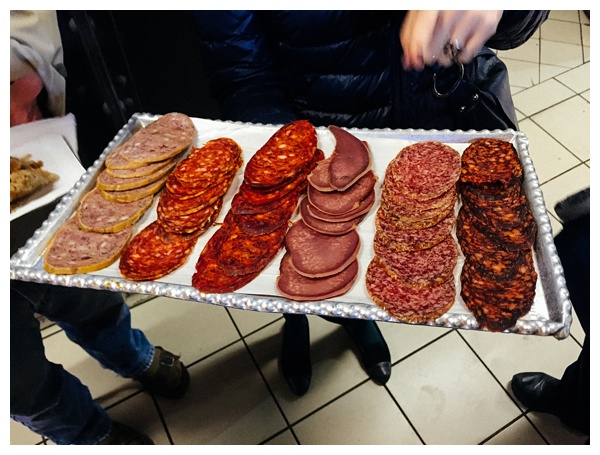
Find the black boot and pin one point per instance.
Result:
(374, 352)
(295, 354)
(536, 391)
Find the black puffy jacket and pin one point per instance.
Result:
(344, 68)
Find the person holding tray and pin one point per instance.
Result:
(363, 69)
(43, 395)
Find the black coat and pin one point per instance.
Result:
(344, 68)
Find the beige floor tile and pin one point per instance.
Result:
(521, 73)
(528, 52)
(550, 71)
(227, 403)
(555, 431)
(561, 54)
(562, 31)
(577, 79)
(21, 435)
(366, 415)
(140, 413)
(403, 339)
(335, 367)
(189, 329)
(284, 439)
(508, 354)
(576, 137)
(519, 433)
(586, 95)
(542, 96)
(444, 390)
(249, 321)
(549, 157)
(564, 15)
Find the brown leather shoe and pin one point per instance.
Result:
(167, 376)
(123, 435)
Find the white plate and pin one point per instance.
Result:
(58, 158)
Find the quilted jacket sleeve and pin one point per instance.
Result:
(243, 76)
(516, 27)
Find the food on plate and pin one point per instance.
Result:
(322, 247)
(292, 285)
(28, 176)
(73, 250)
(496, 231)
(411, 275)
(253, 230)
(350, 159)
(135, 193)
(99, 215)
(139, 171)
(186, 208)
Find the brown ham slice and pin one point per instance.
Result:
(319, 177)
(327, 227)
(341, 202)
(350, 159)
(294, 286)
(316, 255)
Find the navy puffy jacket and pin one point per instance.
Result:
(342, 68)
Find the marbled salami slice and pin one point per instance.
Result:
(425, 170)
(405, 302)
(411, 239)
(420, 268)
(292, 285)
(151, 255)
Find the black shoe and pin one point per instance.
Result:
(295, 362)
(373, 350)
(123, 435)
(167, 376)
(536, 391)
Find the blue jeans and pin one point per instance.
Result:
(43, 395)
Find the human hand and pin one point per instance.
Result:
(425, 34)
(23, 99)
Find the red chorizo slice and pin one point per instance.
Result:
(206, 164)
(292, 285)
(150, 255)
(291, 148)
(405, 302)
(193, 223)
(491, 161)
(265, 222)
(170, 205)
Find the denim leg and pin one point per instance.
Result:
(100, 322)
(43, 396)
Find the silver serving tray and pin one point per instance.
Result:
(550, 314)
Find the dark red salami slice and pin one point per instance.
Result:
(405, 302)
(490, 161)
(420, 268)
(425, 170)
